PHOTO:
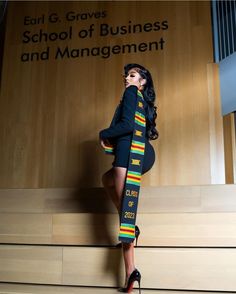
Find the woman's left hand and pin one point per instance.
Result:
(102, 143)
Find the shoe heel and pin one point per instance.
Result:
(137, 233)
(136, 241)
(139, 286)
(135, 276)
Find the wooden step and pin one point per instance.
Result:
(30, 228)
(54, 200)
(160, 229)
(163, 229)
(199, 269)
(206, 198)
(7, 288)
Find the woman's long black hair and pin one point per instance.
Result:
(149, 96)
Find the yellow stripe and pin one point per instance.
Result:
(137, 149)
(138, 143)
(138, 133)
(140, 104)
(126, 233)
(142, 122)
(133, 180)
(140, 117)
(126, 228)
(134, 175)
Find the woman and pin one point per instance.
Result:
(119, 134)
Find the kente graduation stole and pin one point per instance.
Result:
(133, 176)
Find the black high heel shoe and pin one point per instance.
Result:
(135, 276)
(137, 233)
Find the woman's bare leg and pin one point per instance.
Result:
(128, 254)
(109, 185)
(114, 181)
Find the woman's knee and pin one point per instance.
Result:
(127, 246)
(119, 179)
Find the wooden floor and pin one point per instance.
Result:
(41, 289)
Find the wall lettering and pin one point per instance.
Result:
(104, 30)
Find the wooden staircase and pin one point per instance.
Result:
(63, 240)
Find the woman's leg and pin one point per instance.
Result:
(128, 248)
(114, 181)
(128, 254)
(109, 185)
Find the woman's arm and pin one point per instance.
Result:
(126, 123)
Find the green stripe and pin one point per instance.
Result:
(137, 152)
(133, 183)
(140, 114)
(140, 94)
(138, 143)
(139, 123)
(128, 225)
(128, 236)
(134, 173)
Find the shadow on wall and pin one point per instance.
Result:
(89, 164)
(97, 204)
(3, 10)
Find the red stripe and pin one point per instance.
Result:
(132, 177)
(127, 230)
(138, 117)
(141, 148)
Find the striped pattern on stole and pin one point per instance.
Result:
(134, 172)
(133, 176)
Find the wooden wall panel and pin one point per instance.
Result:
(230, 148)
(52, 110)
(215, 125)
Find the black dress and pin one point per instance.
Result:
(121, 130)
